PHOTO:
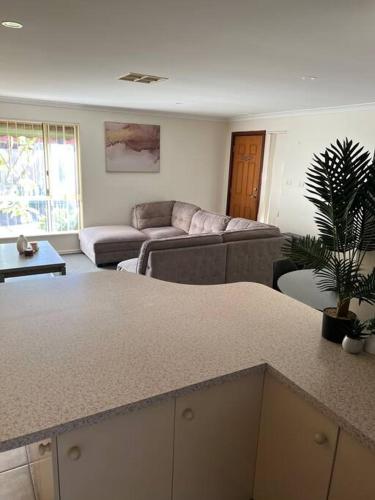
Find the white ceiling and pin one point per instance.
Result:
(222, 57)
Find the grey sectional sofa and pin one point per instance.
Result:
(179, 242)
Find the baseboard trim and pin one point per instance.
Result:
(68, 252)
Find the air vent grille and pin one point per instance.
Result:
(140, 78)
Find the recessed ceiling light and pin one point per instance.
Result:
(12, 24)
(309, 77)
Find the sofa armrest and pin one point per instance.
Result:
(153, 214)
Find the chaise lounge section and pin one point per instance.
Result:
(179, 242)
(155, 220)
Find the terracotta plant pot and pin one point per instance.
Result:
(335, 329)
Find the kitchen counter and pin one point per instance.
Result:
(77, 349)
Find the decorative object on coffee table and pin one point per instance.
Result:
(34, 245)
(28, 252)
(132, 147)
(341, 185)
(12, 264)
(21, 244)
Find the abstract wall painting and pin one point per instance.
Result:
(132, 147)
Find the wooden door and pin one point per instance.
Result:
(296, 447)
(354, 471)
(245, 174)
(216, 432)
(125, 457)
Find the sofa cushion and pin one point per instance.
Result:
(129, 265)
(155, 233)
(100, 235)
(208, 222)
(178, 242)
(251, 234)
(182, 214)
(154, 214)
(238, 223)
(106, 244)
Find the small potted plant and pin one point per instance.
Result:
(354, 339)
(370, 341)
(341, 185)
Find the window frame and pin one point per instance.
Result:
(45, 124)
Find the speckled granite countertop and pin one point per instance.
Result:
(76, 349)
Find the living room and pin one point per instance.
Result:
(127, 377)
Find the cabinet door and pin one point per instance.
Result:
(296, 447)
(124, 457)
(216, 433)
(354, 471)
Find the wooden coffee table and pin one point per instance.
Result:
(46, 260)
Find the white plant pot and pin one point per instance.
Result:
(353, 346)
(370, 344)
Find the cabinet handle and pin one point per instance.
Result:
(320, 438)
(44, 448)
(74, 453)
(188, 414)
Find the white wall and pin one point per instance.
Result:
(192, 163)
(297, 138)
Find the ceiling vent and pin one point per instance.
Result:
(140, 78)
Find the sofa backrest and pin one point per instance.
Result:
(173, 243)
(208, 259)
(252, 259)
(153, 214)
(182, 214)
(197, 265)
(204, 222)
(263, 231)
(239, 223)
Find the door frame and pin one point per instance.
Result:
(233, 138)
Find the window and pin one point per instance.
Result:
(39, 178)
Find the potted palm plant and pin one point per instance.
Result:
(341, 185)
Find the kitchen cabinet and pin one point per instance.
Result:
(296, 447)
(251, 436)
(216, 433)
(354, 471)
(126, 456)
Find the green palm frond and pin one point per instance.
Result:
(307, 250)
(363, 229)
(339, 276)
(364, 290)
